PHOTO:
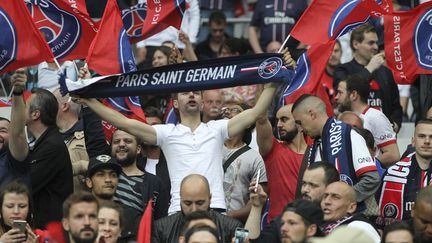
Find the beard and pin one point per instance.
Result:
(345, 106)
(128, 160)
(77, 238)
(289, 135)
(4, 148)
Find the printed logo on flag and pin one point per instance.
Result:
(335, 31)
(61, 29)
(269, 67)
(8, 40)
(423, 40)
(126, 58)
(133, 19)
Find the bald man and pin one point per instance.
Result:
(422, 216)
(351, 118)
(282, 157)
(337, 143)
(194, 197)
(339, 206)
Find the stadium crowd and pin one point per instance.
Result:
(236, 161)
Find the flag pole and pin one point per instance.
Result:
(283, 44)
(57, 64)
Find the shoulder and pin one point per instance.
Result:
(168, 221)
(225, 221)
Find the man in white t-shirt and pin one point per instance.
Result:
(352, 94)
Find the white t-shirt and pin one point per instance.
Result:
(367, 228)
(197, 152)
(379, 125)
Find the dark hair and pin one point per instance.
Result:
(217, 17)
(195, 229)
(46, 103)
(234, 45)
(17, 187)
(424, 121)
(360, 85)
(395, 227)
(330, 172)
(164, 49)
(151, 111)
(358, 33)
(367, 135)
(300, 100)
(78, 197)
(4, 119)
(197, 215)
(137, 139)
(114, 206)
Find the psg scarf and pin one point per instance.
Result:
(200, 75)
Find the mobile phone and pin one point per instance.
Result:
(240, 235)
(257, 180)
(21, 225)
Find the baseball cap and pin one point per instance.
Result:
(308, 210)
(103, 161)
(343, 234)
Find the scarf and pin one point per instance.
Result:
(190, 76)
(399, 188)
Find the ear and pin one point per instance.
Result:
(311, 230)
(65, 223)
(352, 208)
(175, 104)
(64, 106)
(312, 114)
(353, 95)
(355, 44)
(35, 115)
(89, 183)
(412, 141)
(139, 148)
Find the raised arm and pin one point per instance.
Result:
(257, 201)
(17, 139)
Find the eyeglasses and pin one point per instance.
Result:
(230, 110)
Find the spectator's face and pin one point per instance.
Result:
(82, 222)
(285, 123)
(293, 228)
(202, 237)
(15, 207)
(159, 59)
(307, 122)
(335, 56)
(4, 134)
(422, 216)
(103, 183)
(368, 47)
(422, 140)
(109, 224)
(194, 197)
(212, 104)
(217, 32)
(231, 110)
(399, 236)
(343, 98)
(273, 47)
(124, 148)
(313, 185)
(336, 202)
(188, 102)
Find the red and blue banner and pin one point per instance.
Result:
(326, 20)
(110, 52)
(68, 31)
(144, 20)
(307, 78)
(408, 43)
(21, 44)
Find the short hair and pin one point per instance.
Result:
(424, 195)
(18, 187)
(330, 172)
(367, 136)
(217, 17)
(46, 103)
(195, 229)
(4, 119)
(396, 227)
(360, 85)
(194, 216)
(309, 101)
(78, 197)
(151, 111)
(424, 121)
(74, 107)
(164, 49)
(114, 206)
(358, 33)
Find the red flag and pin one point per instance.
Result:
(142, 21)
(307, 79)
(335, 18)
(21, 44)
(68, 31)
(110, 52)
(408, 43)
(78, 4)
(144, 231)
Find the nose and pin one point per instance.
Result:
(108, 178)
(427, 140)
(87, 220)
(104, 226)
(16, 209)
(305, 188)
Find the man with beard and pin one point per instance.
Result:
(337, 143)
(282, 157)
(315, 180)
(194, 196)
(352, 95)
(80, 218)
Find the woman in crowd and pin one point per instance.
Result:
(15, 205)
(161, 56)
(398, 233)
(110, 222)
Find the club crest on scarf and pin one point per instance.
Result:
(334, 30)
(61, 29)
(8, 40)
(423, 40)
(269, 67)
(133, 19)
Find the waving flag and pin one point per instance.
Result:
(170, 115)
(68, 31)
(310, 68)
(336, 18)
(144, 231)
(110, 52)
(144, 20)
(21, 44)
(408, 43)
